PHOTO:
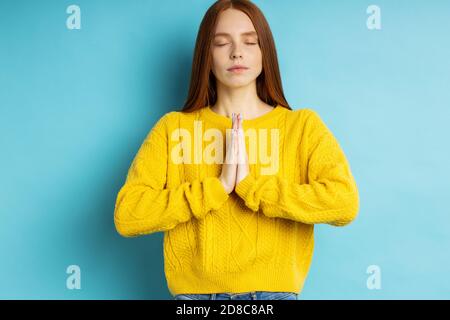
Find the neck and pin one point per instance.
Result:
(243, 100)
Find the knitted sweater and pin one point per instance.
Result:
(260, 236)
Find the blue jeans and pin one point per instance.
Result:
(253, 295)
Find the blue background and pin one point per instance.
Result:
(75, 105)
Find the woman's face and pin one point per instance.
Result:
(232, 45)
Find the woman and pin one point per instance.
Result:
(237, 179)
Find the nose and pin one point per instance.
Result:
(236, 53)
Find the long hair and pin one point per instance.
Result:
(203, 89)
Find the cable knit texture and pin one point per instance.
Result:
(257, 238)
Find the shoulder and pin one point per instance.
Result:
(168, 119)
(173, 120)
(303, 119)
(174, 117)
(162, 125)
(169, 116)
(308, 125)
(303, 114)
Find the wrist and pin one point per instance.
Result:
(227, 188)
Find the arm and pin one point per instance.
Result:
(144, 205)
(331, 196)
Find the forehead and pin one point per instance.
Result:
(234, 22)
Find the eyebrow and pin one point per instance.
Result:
(249, 33)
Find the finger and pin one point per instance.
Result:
(242, 150)
(239, 143)
(236, 130)
(236, 144)
(230, 142)
(234, 127)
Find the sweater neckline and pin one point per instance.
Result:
(212, 115)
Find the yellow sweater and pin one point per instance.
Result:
(260, 236)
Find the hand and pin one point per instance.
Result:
(243, 168)
(229, 167)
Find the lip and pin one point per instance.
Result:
(237, 68)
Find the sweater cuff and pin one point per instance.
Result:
(243, 190)
(216, 191)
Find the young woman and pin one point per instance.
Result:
(236, 179)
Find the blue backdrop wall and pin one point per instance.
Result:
(75, 105)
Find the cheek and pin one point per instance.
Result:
(257, 59)
(218, 59)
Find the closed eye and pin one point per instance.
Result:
(224, 44)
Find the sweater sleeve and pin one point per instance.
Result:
(145, 205)
(330, 196)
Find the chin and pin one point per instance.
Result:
(238, 84)
(239, 81)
